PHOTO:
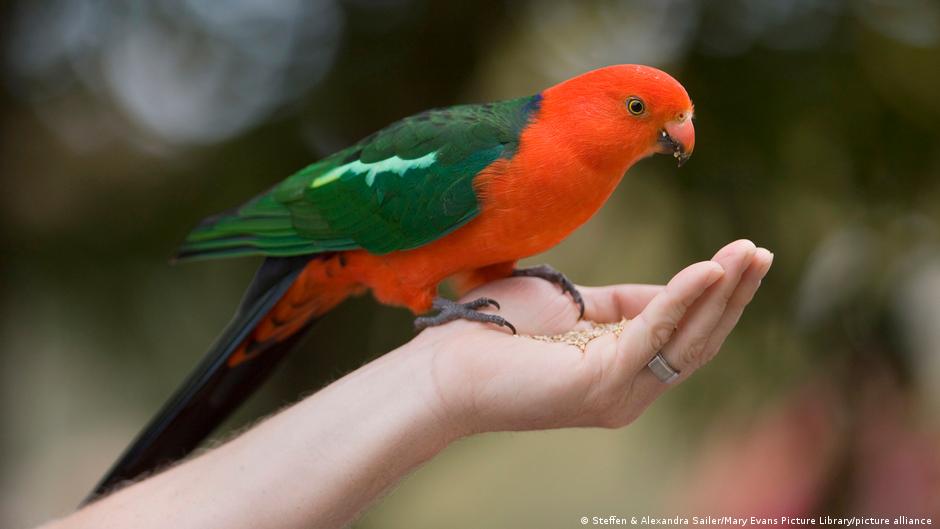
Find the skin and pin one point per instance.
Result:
(362, 434)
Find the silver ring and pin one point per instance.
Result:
(661, 368)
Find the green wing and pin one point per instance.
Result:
(400, 188)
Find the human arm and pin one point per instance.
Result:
(325, 459)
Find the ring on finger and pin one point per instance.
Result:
(661, 368)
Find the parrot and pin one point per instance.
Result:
(459, 193)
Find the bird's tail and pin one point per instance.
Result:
(285, 298)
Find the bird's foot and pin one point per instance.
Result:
(451, 310)
(553, 276)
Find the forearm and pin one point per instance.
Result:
(316, 464)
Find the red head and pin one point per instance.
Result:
(616, 115)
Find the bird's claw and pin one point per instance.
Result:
(478, 303)
(551, 275)
(449, 311)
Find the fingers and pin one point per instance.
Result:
(616, 302)
(653, 327)
(687, 350)
(687, 321)
(710, 321)
(763, 259)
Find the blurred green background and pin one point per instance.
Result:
(124, 123)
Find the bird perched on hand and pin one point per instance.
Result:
(461, 192)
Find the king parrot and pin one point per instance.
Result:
(461, 192)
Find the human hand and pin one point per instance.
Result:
(362, 433)
(486, 379)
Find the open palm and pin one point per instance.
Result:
(488, 380)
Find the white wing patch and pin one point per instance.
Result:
(389, 165)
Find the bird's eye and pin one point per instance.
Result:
(635, 106)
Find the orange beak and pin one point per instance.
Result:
(677, 139)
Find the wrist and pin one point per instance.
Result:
(448, 367)
(436, 404)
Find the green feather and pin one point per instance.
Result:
(405, 186)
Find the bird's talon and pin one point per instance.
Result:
(451, 310)
(502, 322)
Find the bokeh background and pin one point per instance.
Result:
(124, 123)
